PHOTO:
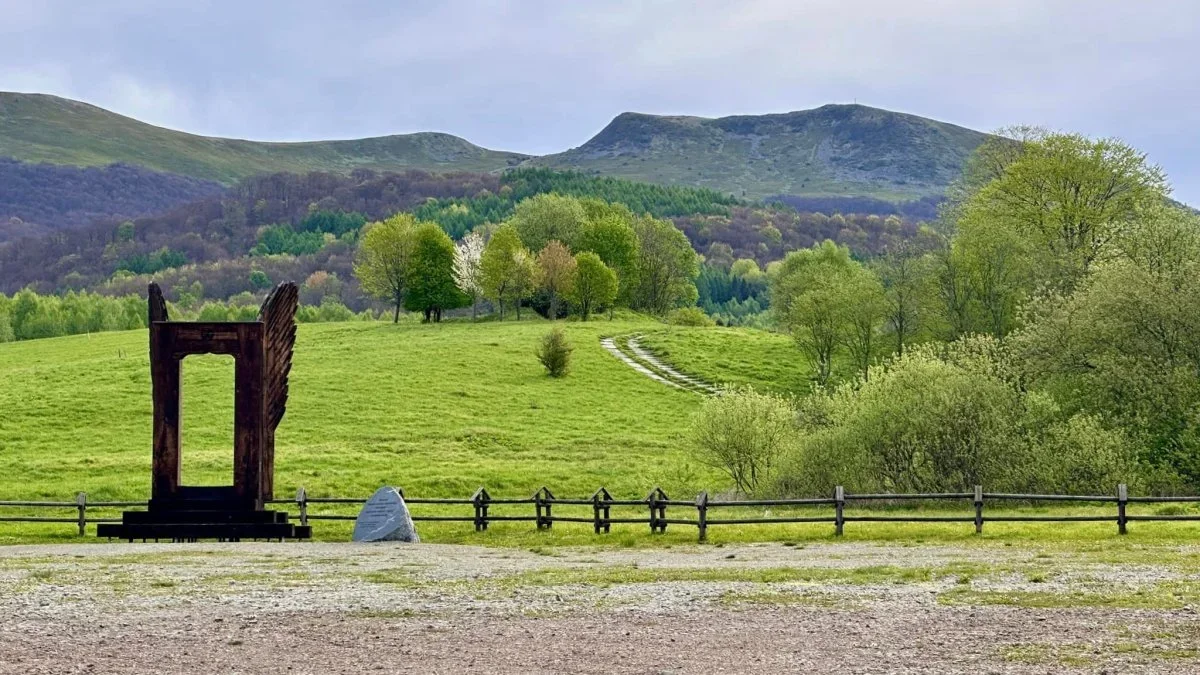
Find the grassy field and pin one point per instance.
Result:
(768, 361)
(436, 409)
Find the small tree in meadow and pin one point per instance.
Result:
(744, 433)
(555, 353)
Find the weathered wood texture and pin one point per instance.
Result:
(262, 352)
(655, 510)
(279, 340)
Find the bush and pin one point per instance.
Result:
(744, 433)
(689, 316)
(555, 353)
(1080, 455)
(923, 424)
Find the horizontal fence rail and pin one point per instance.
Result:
(661, 510)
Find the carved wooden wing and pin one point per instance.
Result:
(158, 304)
(278, 315)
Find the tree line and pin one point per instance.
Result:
(556, 253)
(30, 316)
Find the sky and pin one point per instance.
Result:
(540, 77)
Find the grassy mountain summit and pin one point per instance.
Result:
(43, 128)
(832, 150)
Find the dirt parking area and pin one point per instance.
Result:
(341, 608)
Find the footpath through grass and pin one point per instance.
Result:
(768, 361)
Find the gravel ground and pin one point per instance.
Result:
(341, 608)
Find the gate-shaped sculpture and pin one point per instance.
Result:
(262, 351)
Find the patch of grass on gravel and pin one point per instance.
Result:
(628, 574)
(786, 598)
(1166, 595)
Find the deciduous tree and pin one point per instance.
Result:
(666, 266)
(594, 286)
(383, 259)
(548, 217)
(509, 272)
(468, 274)
(557, 272)
(431, 288)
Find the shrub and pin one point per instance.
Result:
(689, 316)
(555, 353)
(924, 424)
(259, 279)
(1080, 455)
(213, 311)
(744, 433)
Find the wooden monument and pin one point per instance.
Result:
(262, 351)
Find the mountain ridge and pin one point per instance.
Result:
(51, 129)
(835, 149)
(832, 150)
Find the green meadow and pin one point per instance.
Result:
(438, 410)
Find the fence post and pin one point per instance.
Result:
(658, 509)
(662, 511)
(537, 508)
(702, 515)
(839, 504)
(978, 509)
(542, 500)
(302, 502)
(1122, 500)
(81, 504)
(600, 499)
(480, 499)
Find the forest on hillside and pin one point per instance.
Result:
(274, 224)
(37, 199)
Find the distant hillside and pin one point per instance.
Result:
(832, 150)
(41, 128)
(40, 198)
(211, 241)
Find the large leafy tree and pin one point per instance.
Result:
(907, 275)
(1070, 196)
(431, 287)
(383, 259)
(509, 271)
(557, 272)
(666, 266)
(548, 217)
(609, 234)
(827, 301)
(1125, 343)
(594, 285)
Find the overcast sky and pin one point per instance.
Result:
(540, 77)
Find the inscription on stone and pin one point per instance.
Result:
(385, 517)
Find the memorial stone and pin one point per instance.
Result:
(385, 517)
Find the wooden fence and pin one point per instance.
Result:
(660, 509)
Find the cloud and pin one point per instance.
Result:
(540, 76)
